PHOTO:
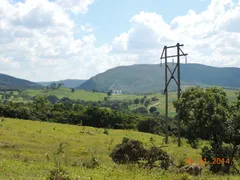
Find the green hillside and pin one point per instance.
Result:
(150, 78)
(27, 151)
(68, 83)
(7, 81)
(66, 92)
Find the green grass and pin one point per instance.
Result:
(66, 92)
(24, 144)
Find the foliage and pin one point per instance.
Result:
(110, 92)
(150, 78)
(129, 151)
(147, 102)
(59, 173)
(203, 113)
(22, 136)
(136, 101)
(206, 114)
(92, 163)
(132, 151)
(156, 157)
(106, 131)
(151, 125)
(152, 109)
(53, 99)
(141, 110)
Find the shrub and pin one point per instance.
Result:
(106, 131)
(132, 151)
(58, 173)
(129, 151)
(150, 125)
(221, 153)
(152, 109)
(92, 163)
(156, 157)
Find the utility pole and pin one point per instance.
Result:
(167, 81)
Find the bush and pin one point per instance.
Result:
(156, 157)
(209, 154)
(132, 151)
(92, 163)
(151, 125)
(129, 151)
(106, 131)
(58, 174)
(152, 109)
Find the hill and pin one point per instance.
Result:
(68, 83)
(7, 81)
(146, 78)
(28, 148)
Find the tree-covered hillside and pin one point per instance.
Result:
(150, 78)
(7, 81)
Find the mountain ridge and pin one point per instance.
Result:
(68, 83)
(146, 78)
(7, 81)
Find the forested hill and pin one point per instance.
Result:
(68, 83)
(146, 78)
(7, 81)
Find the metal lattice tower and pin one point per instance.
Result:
(167, 81)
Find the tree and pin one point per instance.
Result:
(53, 86)
(109, 93)
(141, 110)
(151, 125)
(136, 101)
(154, 98)
(147, 102)
(72, 90)
(203, 113)
(53, 99)
(233, 135)
(59, 85)
(152, 109)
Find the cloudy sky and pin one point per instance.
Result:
(46, 40)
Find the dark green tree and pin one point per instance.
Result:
(109, 93)
(152, 109)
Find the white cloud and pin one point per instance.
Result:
(87, 28)
(210, 37)
(38, 39)
(75, 6)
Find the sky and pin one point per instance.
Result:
(50, 40)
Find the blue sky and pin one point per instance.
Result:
(111, 17)
(77, 39)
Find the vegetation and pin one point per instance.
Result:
(7, 82)
(147, 78)
(209, 121)
(207, 115)
(28, 150)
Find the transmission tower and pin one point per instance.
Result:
(167, 81)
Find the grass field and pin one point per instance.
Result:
(65, 92)
(27, 152)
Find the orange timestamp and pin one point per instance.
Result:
(204, 161)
